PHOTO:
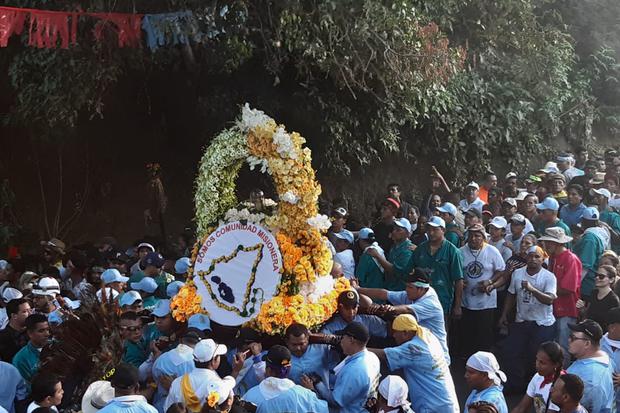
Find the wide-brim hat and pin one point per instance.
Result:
(97, 395)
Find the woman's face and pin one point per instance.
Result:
(611, 185)
(412, 216)
(602, 279)
(544, 365)
(529, 204)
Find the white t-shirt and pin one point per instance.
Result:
(528, 306)
(540, 394)
(502, 248)
(480, 266)
(345, 258)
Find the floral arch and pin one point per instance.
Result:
(306, 292)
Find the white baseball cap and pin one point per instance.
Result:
(207, 349)
(46, 286)
(499, 222)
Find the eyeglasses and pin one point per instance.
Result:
(573, 337)
(601, 276)
(131, 329)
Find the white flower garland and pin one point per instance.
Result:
(320, 222)
(290, 197)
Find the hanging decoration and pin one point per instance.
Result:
(50, 29)
(170, 29)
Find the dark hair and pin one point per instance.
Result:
(483, 406)
(51, 272)
(176, 408)
(573, 386)
(130, 315)
(416, 209)
(489, 174)
(578, 188)
(393, 184)
(34, 319)
(556, 355)
(12, 307)
(43, 385)
(581, 148)
(125, 376)
(296, 330)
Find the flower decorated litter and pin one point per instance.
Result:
(307, 293)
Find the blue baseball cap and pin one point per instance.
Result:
(447, 208)
(173, 288)
(345, 235)
(403, 223)
(365, 233)
(155, 259)
(129, 298)
(182, 265)
(548, 203)
(436, 222)
(162, 308)
(112, 275)
(200, 322)
(147, 284)
(591, 214)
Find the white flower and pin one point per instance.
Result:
(320, 222)
(253, 161)
(268, 202)
(284, 144)
(290, 197)
(243, 215)
(251, 118)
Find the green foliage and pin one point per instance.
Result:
(372, 76)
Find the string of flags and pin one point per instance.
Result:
(51, 29)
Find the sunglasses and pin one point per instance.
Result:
(601, 276)
(573, 337)
(131, 329)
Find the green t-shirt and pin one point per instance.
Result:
(445, 267)
(588, 249)
(368, 272)
(452, 234)
(27, 362)
(399, 257)
(612, 219)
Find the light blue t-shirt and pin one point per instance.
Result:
(314, 360)
(295, 400)
(254, 369)
(175, 363)
(128, 404)
(492, 394)
(614, 357)
(428, 311)
(598, 392)
(354, 385)
(13, 387)
(426, 372)
(375, 325)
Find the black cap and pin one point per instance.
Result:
(193, 335)
(349, 298)
(613, 315)
(118, 256)
(247, 335)
(588, 327)
(419, 275)
(474, 211)
(356, 330)
(278, 356)
(125, 376)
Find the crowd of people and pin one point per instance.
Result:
(520, 274)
